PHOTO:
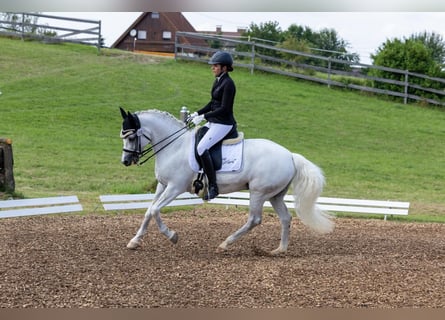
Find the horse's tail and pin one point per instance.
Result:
(308, 184)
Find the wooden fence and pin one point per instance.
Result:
(320, 69)
(28, 26)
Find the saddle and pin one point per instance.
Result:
(232, 137)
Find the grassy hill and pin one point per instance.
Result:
(59, 104)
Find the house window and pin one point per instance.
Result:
(142, 34)
(155, 15)
(166, 35)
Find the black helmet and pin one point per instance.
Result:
(222, 58)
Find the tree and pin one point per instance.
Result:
(300, 38)
(331, 45)
(24, 23)
(15, 20)
(408, 54)
(294, 44)
(435, 43)
(326, 43)
(270, 31)
(300, 33)
(328, 39)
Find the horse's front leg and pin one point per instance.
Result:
(168, 196)
(135, 242)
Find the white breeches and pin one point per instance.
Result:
(215, 134)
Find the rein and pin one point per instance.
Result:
(141, 153)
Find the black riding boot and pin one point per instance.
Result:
(207, 165)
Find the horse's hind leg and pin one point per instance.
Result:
(285, 219)
(254, 219)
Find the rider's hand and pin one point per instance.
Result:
(191, 117)
(198, 119)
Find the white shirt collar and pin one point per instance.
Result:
(217, 78)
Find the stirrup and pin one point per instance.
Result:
(198, 185)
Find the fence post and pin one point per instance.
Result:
(7, 182)
(176, 45)
(99, 40)
(253, 58)
(405, 98)
(329, 72)
(23, 26)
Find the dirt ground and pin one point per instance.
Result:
(82, 261)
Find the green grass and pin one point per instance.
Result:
(60, 107)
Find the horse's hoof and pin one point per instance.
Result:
(174, 238)
(277, 252)
(222, 247)
(133, 245)
(220, 250)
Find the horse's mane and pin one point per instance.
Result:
(163, 114)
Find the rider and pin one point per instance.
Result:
(218, 113)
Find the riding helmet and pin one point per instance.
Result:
(223, 58)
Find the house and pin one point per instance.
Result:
(155, 32)
(227, 34)
(219, 33)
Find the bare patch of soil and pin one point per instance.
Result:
(82, 261)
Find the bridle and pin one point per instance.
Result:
(138, 133)
(134, 134)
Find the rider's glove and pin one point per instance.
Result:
(191, 117)
(197, 119)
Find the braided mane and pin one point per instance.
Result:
(163, 114)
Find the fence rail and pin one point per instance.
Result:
(25, 26)
(38, 206)
(144, 201)
(311, 67)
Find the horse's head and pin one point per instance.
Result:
(132, 137)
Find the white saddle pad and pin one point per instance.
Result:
(232, 157)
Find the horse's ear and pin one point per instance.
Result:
(124, 115)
